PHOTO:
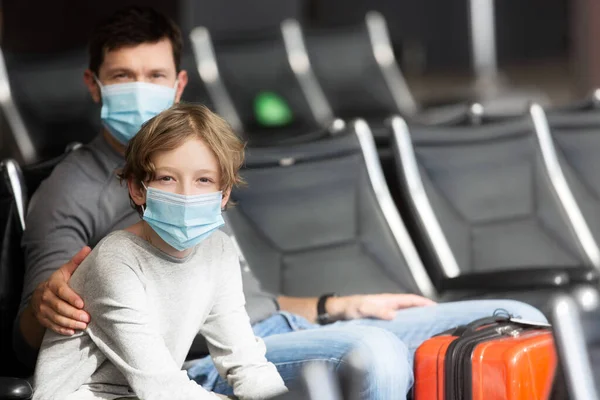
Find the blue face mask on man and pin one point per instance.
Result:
(126, 106)
(183, 221)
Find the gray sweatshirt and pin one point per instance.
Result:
(146, 308)
(79, 204)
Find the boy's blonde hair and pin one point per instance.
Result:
(169, 129)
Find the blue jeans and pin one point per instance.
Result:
(292, 342)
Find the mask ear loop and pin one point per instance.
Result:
(98, 82)
(175, 88)
(146, 188)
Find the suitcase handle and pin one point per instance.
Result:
(470, 328)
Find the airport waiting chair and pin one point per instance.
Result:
(576, 324)
(18, 184)
(195, 91)
(252, 85)
(317, 217)
(357, 69)
(47, 105)
(12, 222)
(575, 134)
(357, 73)
(491, 198)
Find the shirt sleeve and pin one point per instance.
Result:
(238, 355)
(120, 326)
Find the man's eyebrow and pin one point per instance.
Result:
(163, 70)
(114, 70)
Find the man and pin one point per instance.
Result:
(141, 45)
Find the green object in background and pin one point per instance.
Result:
(271, 110)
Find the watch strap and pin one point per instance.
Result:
(322, 315)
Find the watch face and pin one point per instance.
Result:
(323, 319)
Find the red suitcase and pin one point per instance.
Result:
(494, 358)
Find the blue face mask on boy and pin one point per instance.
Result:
(126, 106)
(183, 221)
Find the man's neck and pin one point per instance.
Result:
(114, 143)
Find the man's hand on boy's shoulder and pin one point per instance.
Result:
(55, 305)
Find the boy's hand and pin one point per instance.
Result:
(55, 305)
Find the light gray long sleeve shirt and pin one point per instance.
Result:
(79, 204)
(146, 308)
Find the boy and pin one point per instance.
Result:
(138, 283)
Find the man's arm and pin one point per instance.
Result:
(59, 223)
(51, 306)
(380, 306)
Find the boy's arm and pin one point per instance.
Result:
(122, 329)
(237, 354)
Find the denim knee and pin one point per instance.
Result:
(385, 363)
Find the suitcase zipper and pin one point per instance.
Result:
(466, 389)
(458, 360)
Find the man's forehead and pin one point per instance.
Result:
(145, 56)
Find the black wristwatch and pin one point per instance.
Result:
(322, 315)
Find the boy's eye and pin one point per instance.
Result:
(204, 180)
(165, 179)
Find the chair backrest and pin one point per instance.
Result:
(577, 335)
(576, 136)
(357, 70)
(11, 261)
(237, 72)
(48, 105)
(489, 197)
(16, 187)
(194, 92)
(318, 217)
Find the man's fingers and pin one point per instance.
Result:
(374, 310)
(68, 323)
(56, 328)
(412, 300)
(65, 309)
(57, 305)
(77, 259)
(62, 291)
(419, 301)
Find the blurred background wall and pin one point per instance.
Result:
(546, 43)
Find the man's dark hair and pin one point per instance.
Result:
(132, 26)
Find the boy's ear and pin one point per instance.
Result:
(226, 194)
(136, 191)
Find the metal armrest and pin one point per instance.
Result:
(538, 278)
(15, 389)
(583, 275)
